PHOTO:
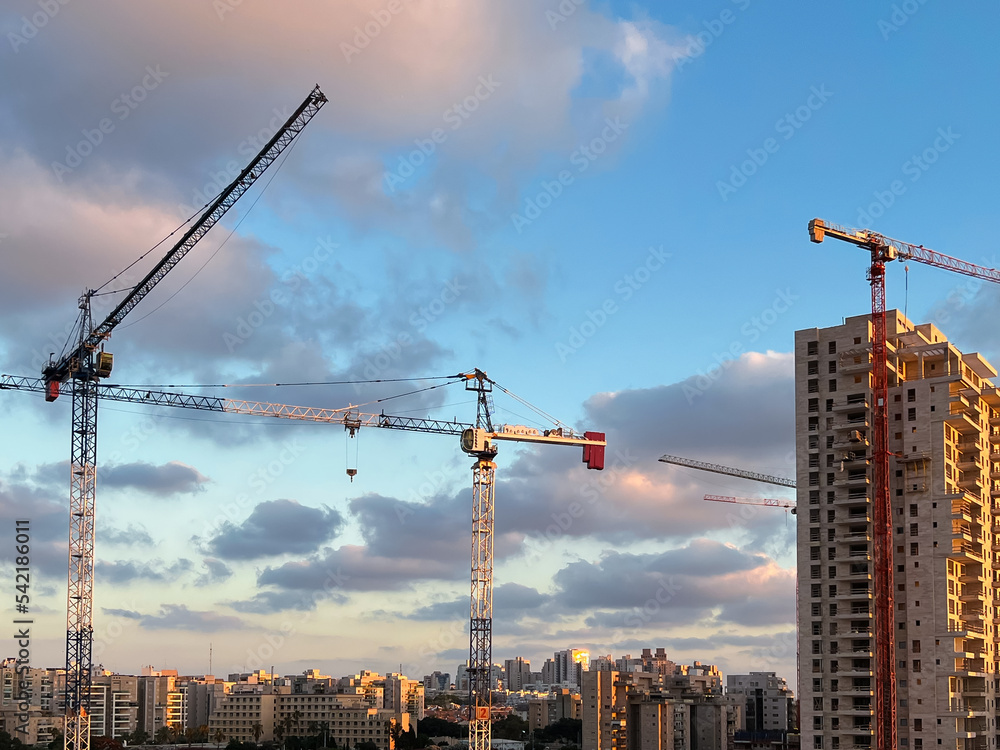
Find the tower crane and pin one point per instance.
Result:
(769, 502)
(84, 367)
(477, 440)
(727, 470)
(882, 250)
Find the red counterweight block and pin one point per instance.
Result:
(593, 455)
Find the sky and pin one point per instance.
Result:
(603, 205)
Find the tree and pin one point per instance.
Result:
(10, 743)
(57, 740)
(257, 730)
(162, 735)
(296, 717)
(219, 737)
(105, 743)
(434, 727)
(512, 727)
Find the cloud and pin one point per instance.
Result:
(512, 601)
(127, 571)
(703, 581)
(165, 480)
(276, 527)
(179, 617)
(133, 535)
(216, 571)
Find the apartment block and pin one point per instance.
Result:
(516, 673)
(646, 711)
(768, 701)
(560, 704)
(944, 433)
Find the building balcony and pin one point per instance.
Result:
(967, 551)
(848, 500)
(851, 367)
(852, 424)
(857, 480)
(971, 480)
(962, 422)
(858, 442)
(856, 536)
(852, 406)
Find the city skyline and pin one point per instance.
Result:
(604, 206)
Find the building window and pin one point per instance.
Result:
(833, 347)
(814, 404)
(911, 414)
(812, 348)
(911, 394)
(812, 368)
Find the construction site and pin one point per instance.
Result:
(484, 231)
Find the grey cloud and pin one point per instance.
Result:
(168, 479)
(179, 617)
(133, 535)
(276, 527)
(128, 571)
(216, 571)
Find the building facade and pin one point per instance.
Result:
(944, 432)
(768, 701)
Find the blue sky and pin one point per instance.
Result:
(603, 205)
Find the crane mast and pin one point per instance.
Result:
(85, 366)
(883, 249)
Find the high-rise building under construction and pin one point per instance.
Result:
(944, 439)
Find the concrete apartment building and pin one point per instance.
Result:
(646, 711)
(768, 701)
(560, 704)
(944, 433)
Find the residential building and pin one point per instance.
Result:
(944, 413)
(403, 695)
(436, 682)
(768, 701)
(657, 662)
(559, 704)
(517, 673)
(646, 711)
